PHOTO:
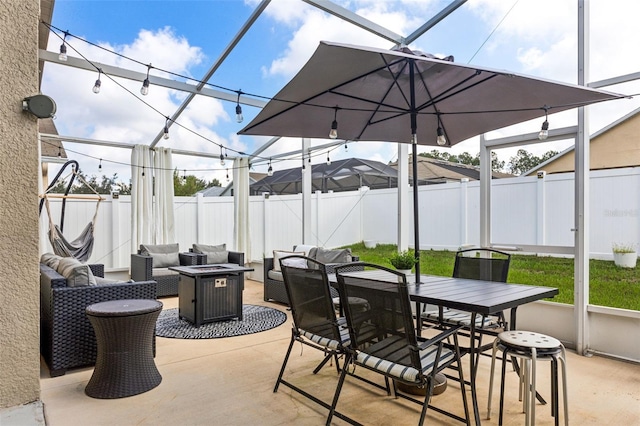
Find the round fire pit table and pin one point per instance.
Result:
(125, 331)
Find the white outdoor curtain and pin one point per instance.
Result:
(141, 196)
(163, 206)
(241, 207)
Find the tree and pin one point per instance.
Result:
(105, 186)
(465, 158)
(189, 185)
(525, 161)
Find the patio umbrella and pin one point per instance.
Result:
(370, 94)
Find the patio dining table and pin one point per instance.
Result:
(473, 296)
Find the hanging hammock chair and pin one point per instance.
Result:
(81, 247)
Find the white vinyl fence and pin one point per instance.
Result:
(525, 211)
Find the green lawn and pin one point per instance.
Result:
(610, 285)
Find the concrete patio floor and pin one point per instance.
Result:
(230, 382)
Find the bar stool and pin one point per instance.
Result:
(530, 347)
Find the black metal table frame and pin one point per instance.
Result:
(473, 296)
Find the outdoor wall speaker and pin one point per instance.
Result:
(42, 106)
(541, 174)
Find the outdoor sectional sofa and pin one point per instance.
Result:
(274, 283)
(67, 338)
(152, 263)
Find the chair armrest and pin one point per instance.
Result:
(267, 265)
(190, 258)
(425, 343)
(141, 267)
(97, 269)
(236, 257)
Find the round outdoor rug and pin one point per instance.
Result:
(254, 320)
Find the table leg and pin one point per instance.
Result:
(474, 395)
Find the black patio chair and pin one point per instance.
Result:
(383, 338)
(483, 264)
(314, 318)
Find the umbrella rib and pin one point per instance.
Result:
(447, 93)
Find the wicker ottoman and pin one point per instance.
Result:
(124, 334)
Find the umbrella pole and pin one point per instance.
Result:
(416, 219)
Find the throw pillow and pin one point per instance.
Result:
(164, 255)
(215, 254)
(295, 263)
(77, 273)
(279, 254)
(51, 260)
(333, 256)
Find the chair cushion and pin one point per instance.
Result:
(452, 316)
(51, 260)
(215, 254)
(400, 371)
(328, 342)
(275, 275)
(279, 254)
(295, 263)
(164, 255)
(77, 273)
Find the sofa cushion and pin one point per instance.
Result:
(77, 273)
(296, 263)
(333, 256)
(279, 254)
(51, 260)
(164, 255)
(105, 281)
(159, 272)
(215, 254)
(275, 275)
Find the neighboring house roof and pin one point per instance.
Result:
(431, 170)
(615, 145)
(50, 148)
(219, 191)
(342, 175)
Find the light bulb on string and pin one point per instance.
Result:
(346, 148)
(328, 159)
(96, 86)
(63, 48)
(227, 175)
(544, 131)
(142, 171)
(184, 176)
(239, 116)
(270, 169)
(333, 133)
(441, 140)
(100, 165)
(144, 90)
(59, 152)
(166, 129)
(221, 157)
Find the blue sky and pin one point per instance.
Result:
(536, 37)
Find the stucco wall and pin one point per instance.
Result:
(19, 288)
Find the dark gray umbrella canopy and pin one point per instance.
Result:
(383, 95)
(371, 89)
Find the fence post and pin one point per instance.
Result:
(319, 216)
(464, 207)
(265, 222)
(199, 217)
(541, 208)
(115, 230)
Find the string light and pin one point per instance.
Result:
(166, 129)
(221, 157)
(544, 131)
(63, 48)
(328, 159)
(346, 148)
(96, 87)
(100, 165)
(270, 169)
(227, 175)
(239, 116)
(142, 171)
(184, 176)
(144, 90)
(59, 152)
(333, 133)
(441, 140)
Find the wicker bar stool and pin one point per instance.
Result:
(530, 347)
(125, 332)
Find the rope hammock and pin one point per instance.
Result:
(81, 247)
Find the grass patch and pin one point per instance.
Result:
(609, 285)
